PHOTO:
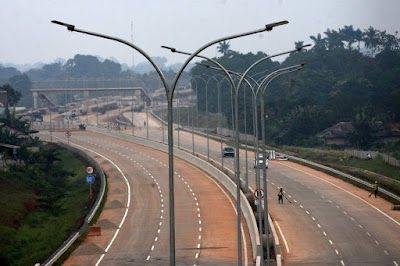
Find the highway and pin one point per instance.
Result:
(329, 222)
(135, 220)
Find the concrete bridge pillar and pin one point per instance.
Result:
(35, 102)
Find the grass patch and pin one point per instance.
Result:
(82, 238)
(28, 235)
(367, 170)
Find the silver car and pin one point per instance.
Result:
(260, 162)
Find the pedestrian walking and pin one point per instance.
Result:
(280, 196)
(376, 187)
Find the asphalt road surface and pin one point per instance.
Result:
(329, 222)
(135, 220)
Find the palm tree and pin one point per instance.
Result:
(298, 44)
(334, 39)
(371, 39)
(223, 48)
(358, 36)
(319, 42)
(348, 35)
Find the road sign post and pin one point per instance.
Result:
(259, 195)
(90, 180)
(68, 135)
(89, 170)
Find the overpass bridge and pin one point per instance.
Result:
(46, 93)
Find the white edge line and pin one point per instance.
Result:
(241, 225)
(127, 205)
(398, 223)
(283, 237)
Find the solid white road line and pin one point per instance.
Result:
(366, 202)
(128, 202)
(283, 237)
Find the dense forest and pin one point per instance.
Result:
(349, 76)
(82, 71)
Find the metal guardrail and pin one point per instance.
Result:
(67, 243)
(384, 191)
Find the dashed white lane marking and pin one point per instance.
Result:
(386, 252)
(324, 233)
(342, 262)
(372, 206)
(395, 263)
(368, 234)
(337, 252)
(376, 241)
(330, 242)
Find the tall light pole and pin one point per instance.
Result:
(254, 98)
(197, 103)
(265, 191)
(170, 93)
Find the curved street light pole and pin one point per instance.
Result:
(197, 104)
(170, 92)
(207, 115)
(258, 182)
(261, 89)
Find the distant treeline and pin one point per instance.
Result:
(349, 75)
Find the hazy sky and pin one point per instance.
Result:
(27, 36)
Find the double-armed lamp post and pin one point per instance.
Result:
(169, 90)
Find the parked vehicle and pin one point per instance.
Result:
(282, 158)
(259, 162)
(228, 152)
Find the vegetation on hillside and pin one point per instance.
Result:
(349, 76)
(43, 194)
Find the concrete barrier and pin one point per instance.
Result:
(67, 243)
(208, 168)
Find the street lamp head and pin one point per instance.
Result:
(204, 65)
(301, 47)
(170, 48)
(69, 26)
(269, 27)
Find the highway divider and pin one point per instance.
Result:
(208, 168)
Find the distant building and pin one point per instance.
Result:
(336, 135)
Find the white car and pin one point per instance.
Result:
(282, 158)
(260, 162)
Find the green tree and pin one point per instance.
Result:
(358, 37)
(365, 128)
(371, 39)
(13, 96)
(223, 48)
(348, 35)
(319, 42)
(23, 85)
(334, 39)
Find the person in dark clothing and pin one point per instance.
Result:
(280, 195)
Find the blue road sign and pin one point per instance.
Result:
(90, 179)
